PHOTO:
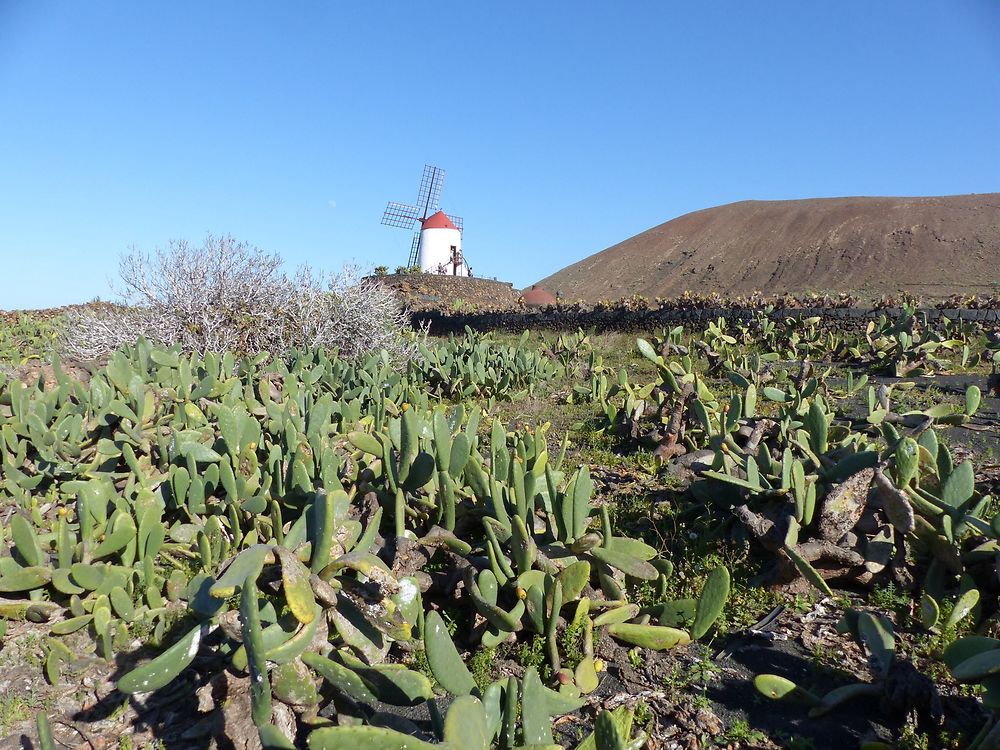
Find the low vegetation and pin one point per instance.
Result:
(505, 526)
(229, 296)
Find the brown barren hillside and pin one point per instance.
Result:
(930, 247)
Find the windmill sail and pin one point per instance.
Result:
(457, 221)
(400, 215)
(429, 195)
(414, 249)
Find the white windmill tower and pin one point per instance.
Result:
(437, 247)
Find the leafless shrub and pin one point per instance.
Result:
(231, 296)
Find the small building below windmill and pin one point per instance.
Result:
(538, 296)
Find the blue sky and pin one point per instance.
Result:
(563, 127)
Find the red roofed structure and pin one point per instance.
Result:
(537, 295)
(439, 220)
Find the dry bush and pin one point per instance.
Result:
(231, 296)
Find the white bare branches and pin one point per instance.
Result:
(231, 296)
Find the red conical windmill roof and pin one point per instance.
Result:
(439, 220)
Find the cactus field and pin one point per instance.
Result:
(760, 534)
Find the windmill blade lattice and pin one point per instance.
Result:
(400, 215)
(414, 250)
(429, 195)
(457, 221)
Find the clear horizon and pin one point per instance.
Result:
(563, 129)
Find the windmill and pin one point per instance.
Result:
(437, 246)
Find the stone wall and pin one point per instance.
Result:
(426, 291)
(851, 318)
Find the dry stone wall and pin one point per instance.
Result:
(443, 323)
(428, 291)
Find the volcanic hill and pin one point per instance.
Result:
(931, 247)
